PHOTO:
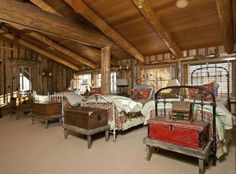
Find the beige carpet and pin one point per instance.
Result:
(32, 149)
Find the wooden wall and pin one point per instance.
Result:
(13, 56)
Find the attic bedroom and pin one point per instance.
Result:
(117, 86)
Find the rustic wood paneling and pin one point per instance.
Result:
(12, 59)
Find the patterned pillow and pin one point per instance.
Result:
(95, 91)
(196, 94)
(211, 88)
(141, 94)
(192, 92)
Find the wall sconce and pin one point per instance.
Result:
(46, 73)
(123, 67)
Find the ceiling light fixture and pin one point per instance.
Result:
(181, 3)
(140, 3)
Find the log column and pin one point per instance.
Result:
(105, 70)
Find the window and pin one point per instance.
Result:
(80, 82)
(25, 79)
(113, 81)
(158, 77)
(212, 74)
(98, 80)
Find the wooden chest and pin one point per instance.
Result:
(46, 109)
(85, 117)
(194, 135)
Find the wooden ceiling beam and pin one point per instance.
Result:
(224, 8)
(87, 13)
(31, 17)
(61, 49)
(64, 10)
(38, 50)
(7, 48)
(43, 5)
(153, 20)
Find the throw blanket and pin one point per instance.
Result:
(73, 98)
(122, 103)
(223, 120)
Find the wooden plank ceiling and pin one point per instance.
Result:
(133, 28)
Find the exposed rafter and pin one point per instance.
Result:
(45, 6)
(86, 12)
(38, 50)
(61, 8)
(153, 20)
(62, 49)
(28, 16)
(224, 8)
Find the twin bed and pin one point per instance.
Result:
(125, 113)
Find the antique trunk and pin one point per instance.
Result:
(193, 135)
(46, 109)
(85, 117)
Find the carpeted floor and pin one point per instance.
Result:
(32, 149)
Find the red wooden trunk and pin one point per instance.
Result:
(193, 135)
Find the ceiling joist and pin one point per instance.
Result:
(87, 13)
(62, 49)
(224, 8)
(153, 20)
(43, 5)
(31, 17)
(38, 50)
(60, 8)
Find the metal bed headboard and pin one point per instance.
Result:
(158, 95)
(227, 76)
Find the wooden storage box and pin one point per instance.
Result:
(181, 110)
(46, 109)
(193, 135)
(85, 117)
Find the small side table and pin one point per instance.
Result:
(46, 119)
(87, 132)
(46, 112)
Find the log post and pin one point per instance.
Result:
(105, 70)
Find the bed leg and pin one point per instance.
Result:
(60, 120)
(65, 133)
(89, 139)
(201, 166)
(107, 135)
(46, 124)
(114, 136)
(149, 152)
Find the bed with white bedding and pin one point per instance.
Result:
(123, 112)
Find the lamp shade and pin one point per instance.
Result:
(173, 82)
(122, 82)
(84, 82)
